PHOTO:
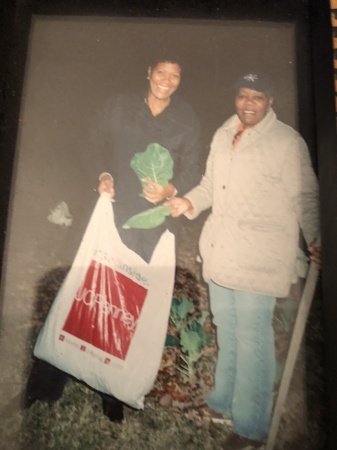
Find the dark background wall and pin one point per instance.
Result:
(74, 64)
(74, 68)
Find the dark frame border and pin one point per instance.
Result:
(326, 144)
(315, 99)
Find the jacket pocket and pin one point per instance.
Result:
(261, 246)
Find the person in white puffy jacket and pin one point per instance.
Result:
(263, 192)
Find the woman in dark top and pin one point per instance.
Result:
(128, 124)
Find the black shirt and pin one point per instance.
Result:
(126, 127)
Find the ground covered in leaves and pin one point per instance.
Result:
(174, 417)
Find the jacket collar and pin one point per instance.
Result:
(261, 128)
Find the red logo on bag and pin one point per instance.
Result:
(106, 309)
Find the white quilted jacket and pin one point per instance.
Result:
(261, 194)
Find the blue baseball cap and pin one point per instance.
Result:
(256, 81)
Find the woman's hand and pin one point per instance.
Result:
(155, 193)
(106, 184)
(179, 206)
(315, 253)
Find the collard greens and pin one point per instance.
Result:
(150, 218)
(156, 164)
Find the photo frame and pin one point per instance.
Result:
(311, 113)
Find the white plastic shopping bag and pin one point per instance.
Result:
(108, 323)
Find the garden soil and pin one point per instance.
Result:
(175, 416)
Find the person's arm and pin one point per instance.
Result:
(305, 195)
(200, 197)
(179, 206)
(309, 209)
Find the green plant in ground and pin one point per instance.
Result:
(190, 333)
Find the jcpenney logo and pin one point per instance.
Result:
(91, 298)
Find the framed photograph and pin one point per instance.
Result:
(64, 63)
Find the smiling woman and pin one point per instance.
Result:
(164, 81)
(263, 192)
(253, 100)
(129, 124)
(252, 106)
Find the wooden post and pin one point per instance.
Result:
(295, 343)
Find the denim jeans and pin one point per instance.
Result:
(245, 371)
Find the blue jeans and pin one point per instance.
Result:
(245, 371)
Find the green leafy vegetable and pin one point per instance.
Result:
(155, 163)
(191, 343)
(171, 341)
(192, 337)
(180, 310)
(149, 218)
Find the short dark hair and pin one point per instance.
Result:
(165, 57)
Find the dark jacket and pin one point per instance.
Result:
(126, 126)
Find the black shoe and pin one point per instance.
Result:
(113, 409)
